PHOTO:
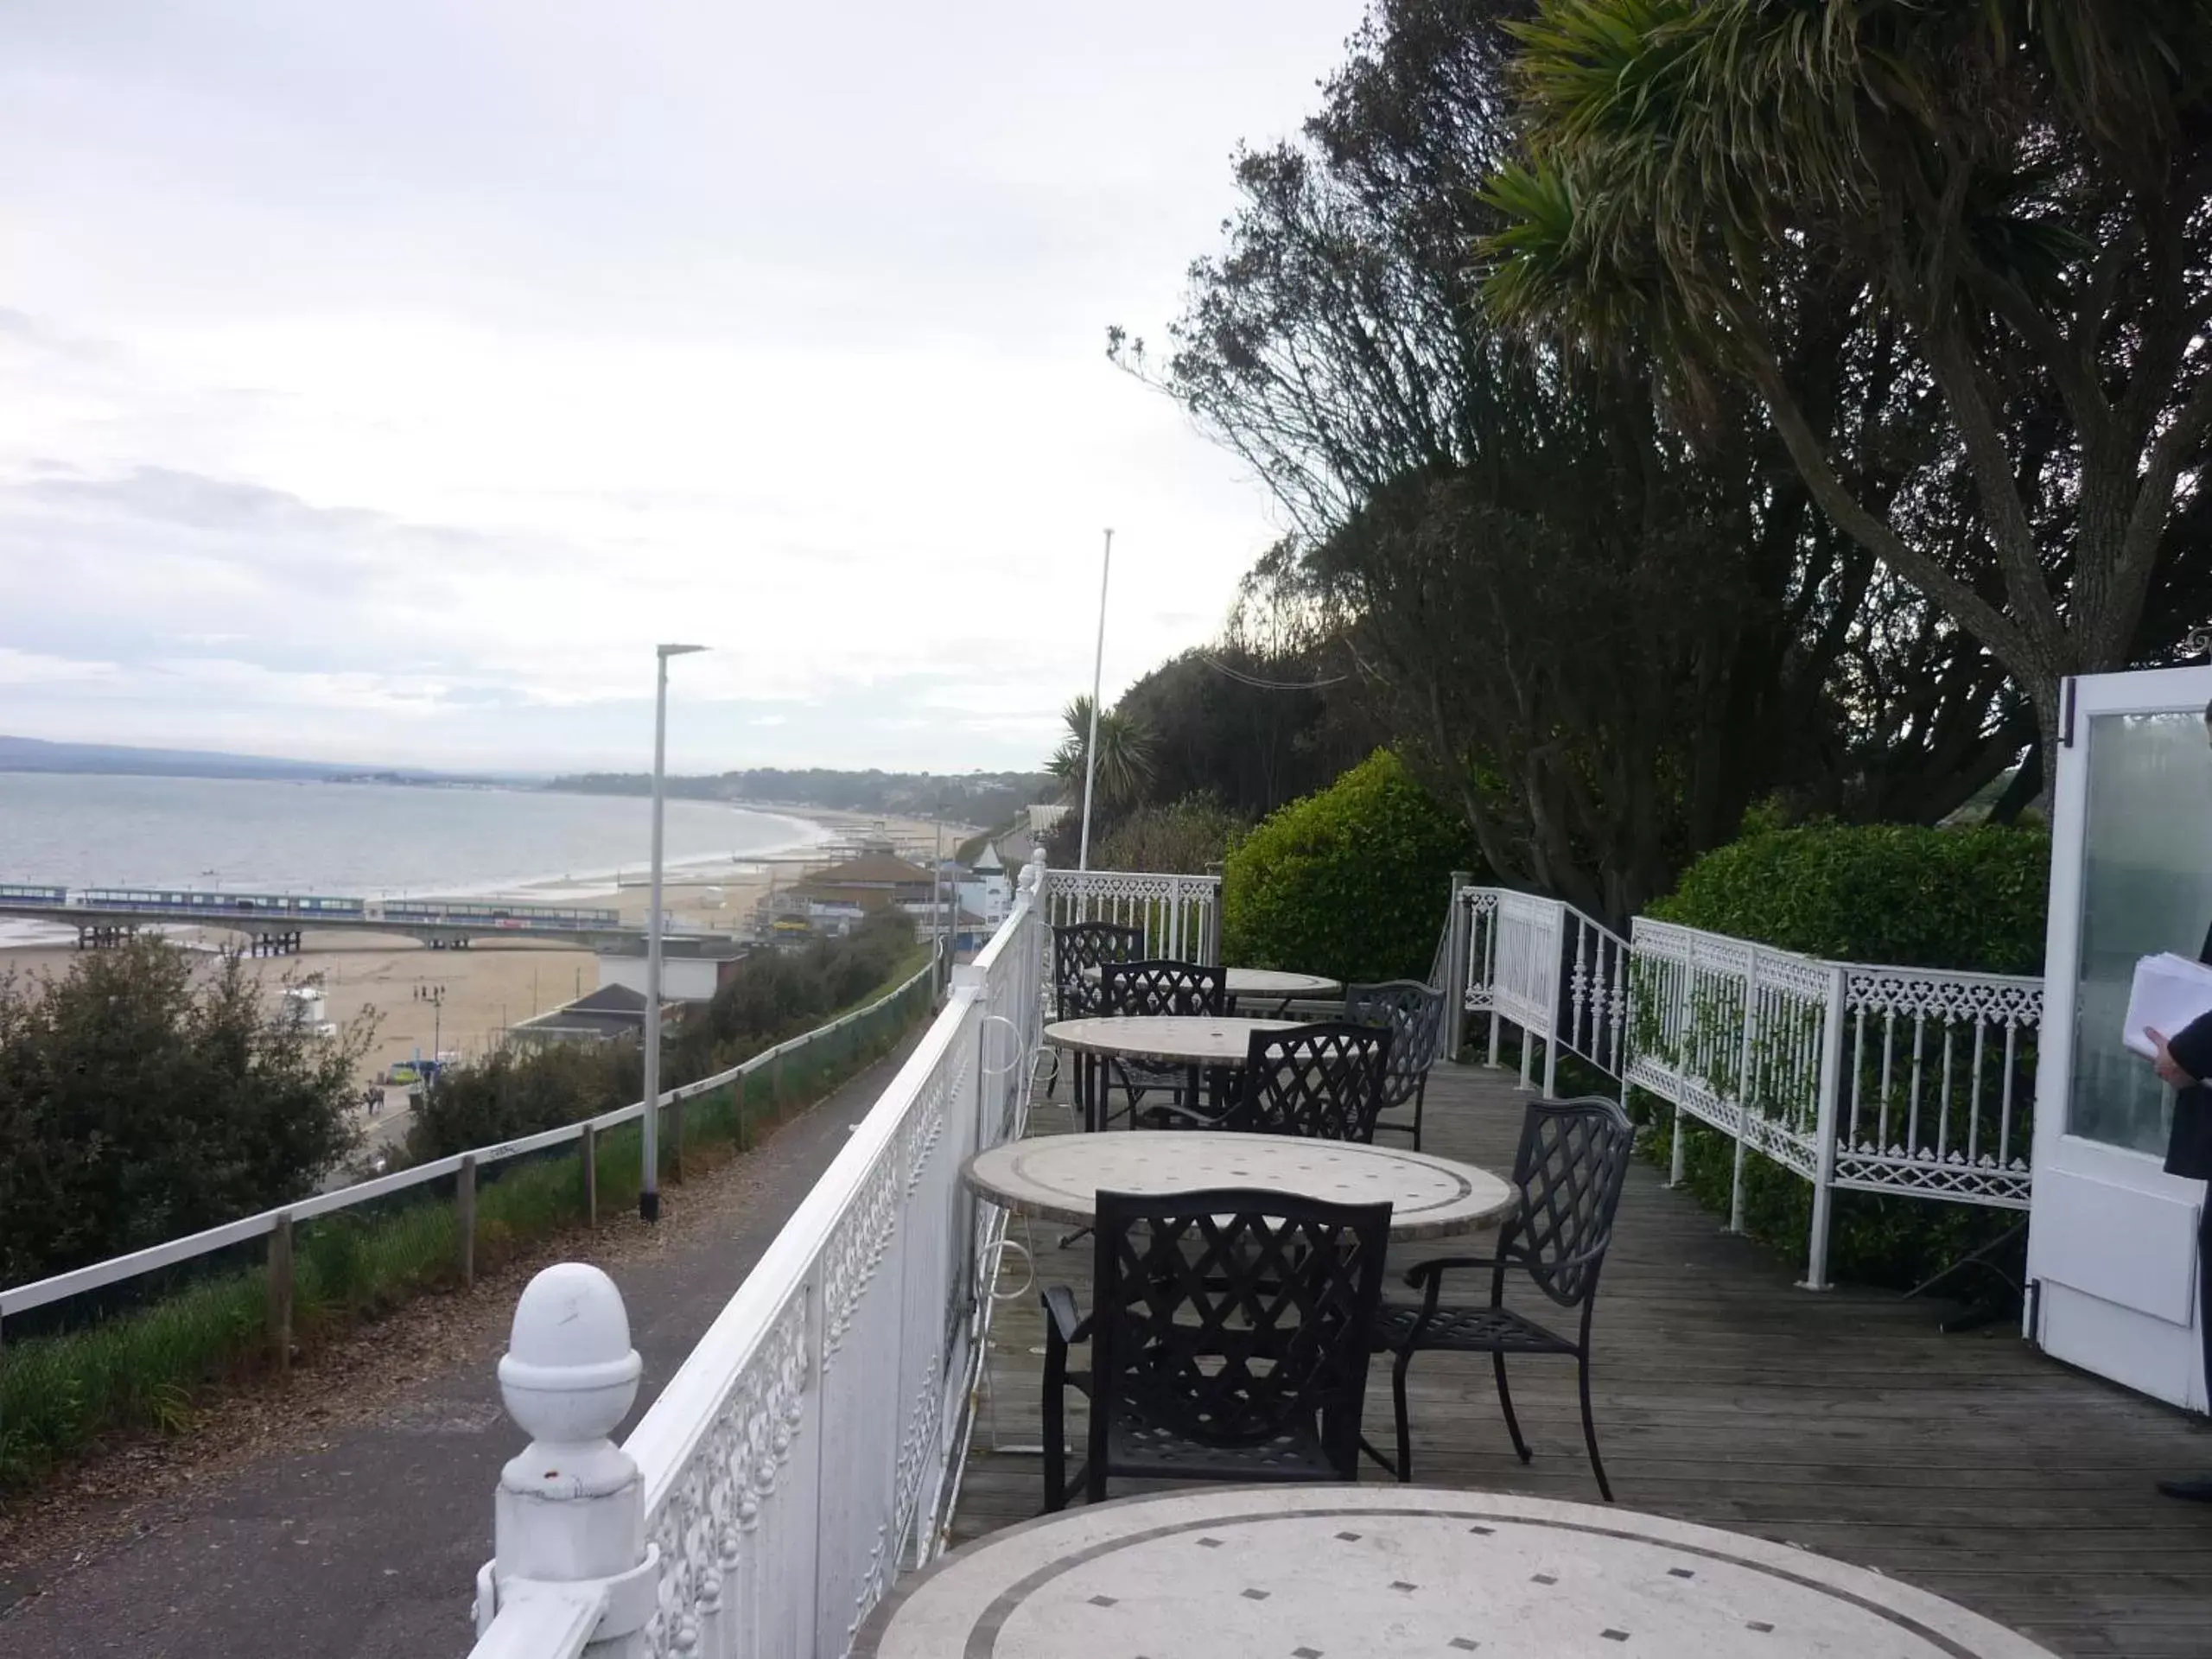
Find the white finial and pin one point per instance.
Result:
(571, 1374)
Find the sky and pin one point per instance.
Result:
(380, 383)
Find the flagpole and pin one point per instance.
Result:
(1097, 665)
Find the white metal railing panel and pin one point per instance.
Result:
(1938, 1083)
(809, 1448)
(1180, 914)
(1906, 1080)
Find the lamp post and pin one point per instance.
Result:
(1098, 666)
(649, 1185)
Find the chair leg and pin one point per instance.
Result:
(1590, 1428)
(1421, 1098)
(1055, 1413)
(1505, 1400)
(1405, 1469)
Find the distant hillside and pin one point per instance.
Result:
(972, 797)
(36, 755)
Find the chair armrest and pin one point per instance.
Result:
(1424, 1272)
(1069, 1326)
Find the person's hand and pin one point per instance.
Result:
(2168, 1068)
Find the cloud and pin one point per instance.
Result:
(384, 384)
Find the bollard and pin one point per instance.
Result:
(570, 1519)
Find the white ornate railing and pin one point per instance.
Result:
(810, 1445)
(1180, 914)
(1904, 1080)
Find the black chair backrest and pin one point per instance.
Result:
(1572, 1159)
(1232, 1317)
(1078, 952)
(1324, 1081)
(1159, 985)
(1414, 1013)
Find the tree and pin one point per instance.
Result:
(149, 1093)
(2013, 199)
(1600, 634)
(1125, 762)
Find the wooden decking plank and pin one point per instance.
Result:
(1843, 1421)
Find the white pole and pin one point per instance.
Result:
(649, 1182)
(1098, 666)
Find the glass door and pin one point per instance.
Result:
(2112, 1238)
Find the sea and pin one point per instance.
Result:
(371, 840)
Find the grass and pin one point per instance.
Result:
(150, 1368)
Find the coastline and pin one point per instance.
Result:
(499, 983)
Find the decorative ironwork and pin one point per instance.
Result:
(1320, 1081)
(1229, 1337)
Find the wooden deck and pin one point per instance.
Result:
(1843, 1421)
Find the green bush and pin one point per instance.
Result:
(1352, 882)
(1879, 892)
(1187, 837)
(1970, 899)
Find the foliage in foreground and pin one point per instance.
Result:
(150, 1092)
(1352, 882)
(151, 1368)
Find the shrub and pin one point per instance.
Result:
(1879, 892)
(1352, 882)
(149, 1093)
(1184, 838)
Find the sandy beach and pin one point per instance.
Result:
(496, 983)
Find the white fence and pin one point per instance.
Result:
(811, 1445)
(1180, 914)
(1913, 1080)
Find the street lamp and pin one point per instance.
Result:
(648, 1188)
(1097, 667)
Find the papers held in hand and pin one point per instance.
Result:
(2170, 992)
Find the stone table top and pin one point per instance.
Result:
(1183, 1038)
(1357, 1572)
(1058, 1177)
(1267, 982)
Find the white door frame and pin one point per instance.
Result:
(2112, 1258)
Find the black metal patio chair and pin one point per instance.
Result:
(1149, 987)
(1572, 1160)
(1079, 950)
(1324, 1081)
(1229, 1339)
(1414, 1013)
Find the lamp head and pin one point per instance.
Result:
(667, 651)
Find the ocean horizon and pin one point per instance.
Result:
(358, 839)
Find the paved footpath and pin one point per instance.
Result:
(369, 1547)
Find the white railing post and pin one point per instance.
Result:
(569, 1517)
(1825, 1130)
(1744, 1092)
(1458, 968)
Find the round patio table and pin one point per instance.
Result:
(1214, 1043)
(1276, 985)
(1350, 1572)
(1058, 1177)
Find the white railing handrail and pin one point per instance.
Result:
(97, 1276)
(669, 1432)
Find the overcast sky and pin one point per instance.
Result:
(380, 382)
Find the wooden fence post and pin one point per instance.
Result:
(279, 1293)
(591, 1175)
(741, 1078)
(676, 1141)
(464, 1204)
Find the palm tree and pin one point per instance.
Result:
(1125, 763)
(2018, 196)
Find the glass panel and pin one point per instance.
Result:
(2146, 886)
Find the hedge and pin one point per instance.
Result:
(1879, 892)
(1972, 899)
(1352, 882)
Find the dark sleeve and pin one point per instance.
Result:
(2191, 1047)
